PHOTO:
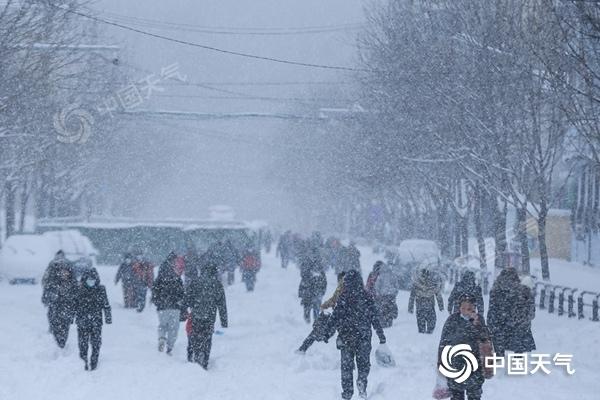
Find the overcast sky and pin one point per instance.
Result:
(224, 162)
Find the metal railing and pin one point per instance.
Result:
(548, 298)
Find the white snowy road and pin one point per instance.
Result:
(254, 358)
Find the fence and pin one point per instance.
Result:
(548, 297)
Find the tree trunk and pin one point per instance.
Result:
(10, 207)
(542, 240)
(500, 211)
(478, 205)
(522, 235)
(457, 232)
(24, 199)
(464, 234)
(443, 229)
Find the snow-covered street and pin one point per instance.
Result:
(254, 358)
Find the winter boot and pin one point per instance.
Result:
(169, 351)
(161, 344)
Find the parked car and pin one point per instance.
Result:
(411, 255)
(24, 258)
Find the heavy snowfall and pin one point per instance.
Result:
(350, 199)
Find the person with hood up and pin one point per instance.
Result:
(466, 285)
(510, 314)
(167, 296)
(353, 317)
(204, 297)
(59, 294)
(91, 303)
(382, 284)
(524, 313)
(426, 288)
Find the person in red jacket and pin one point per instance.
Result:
(143, 278)
(250, 267)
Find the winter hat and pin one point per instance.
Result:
(465, 297)
(91, 274)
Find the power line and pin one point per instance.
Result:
(262, 83)
(237, 28)
(163, 25)
(211, 48)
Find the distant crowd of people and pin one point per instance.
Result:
(191, 289)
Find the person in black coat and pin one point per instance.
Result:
(521, 340)
(509, 315)
(59, 293)
(424, 292)
(125, 275)
(466, 285)
(353, 317)
(204, 297)
(313, 282)
(91, 303)
(168, 295)
(464, 327)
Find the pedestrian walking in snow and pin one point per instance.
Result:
(313, 282)
(464, 327)
(232, 261)
(426, 288)
(318, 332)
(512, 308)
(59, 294)
(250, 266)
(382, 285)
(168, 296)
(284, 248)
(204, 297)
(524, 314)
(466, 285)
(91, 303)
(125, 275)
(143, 277)
(353, 317)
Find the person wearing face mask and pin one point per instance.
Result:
(91, 303)
(465, 326)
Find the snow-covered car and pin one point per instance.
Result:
(24, 258)
(73, 243)
(410, 255)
